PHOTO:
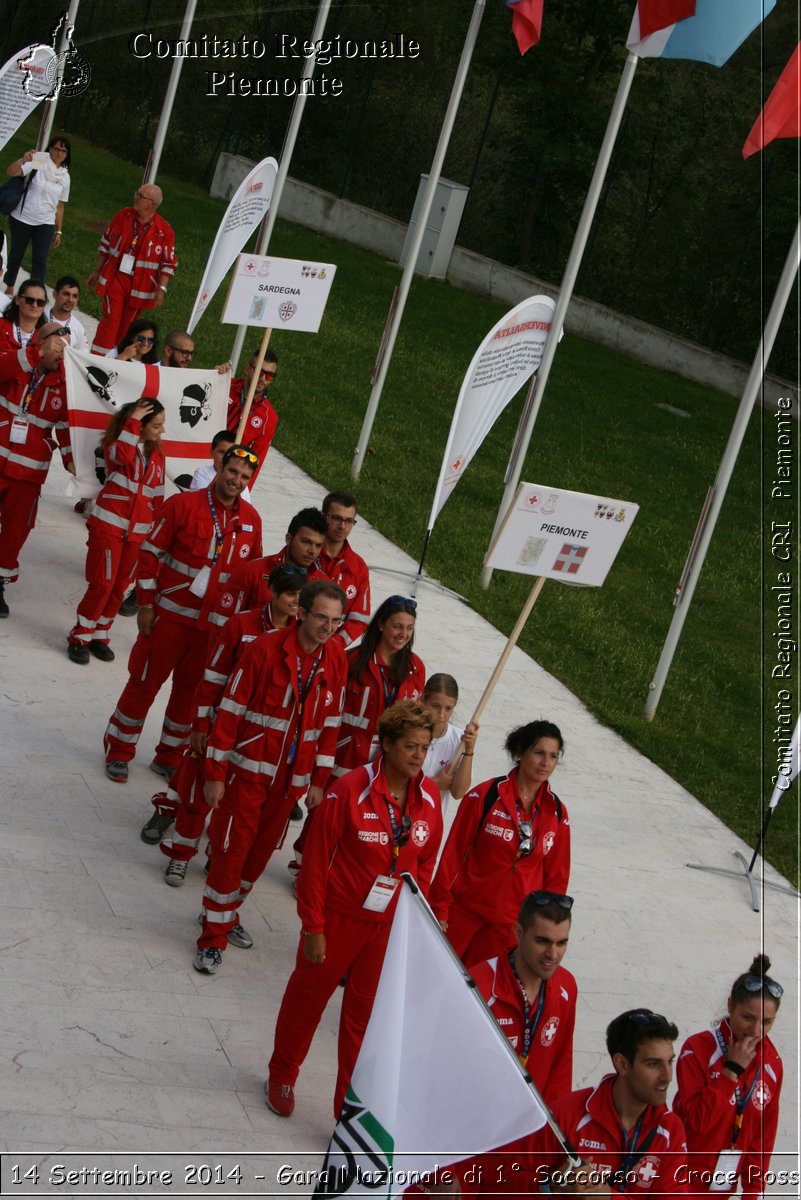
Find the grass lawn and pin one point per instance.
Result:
(603, 428)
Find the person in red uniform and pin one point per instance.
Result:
(135, 262)
(341, 563)
(183, 566)
(533, 997)
(23, 316)
(628, 1140)
(262, 419)
(121, 516)
(511, 836)
(183, 802)
(33, 418)
(375, 823)
(248, 586)
(729, 1083)
(272, 740)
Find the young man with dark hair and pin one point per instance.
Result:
(262, 419)
(533, 997)
(178, 349)
(273, 739)
(248, 587)
(342, 564)
(66, 293)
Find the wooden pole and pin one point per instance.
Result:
(243, 420)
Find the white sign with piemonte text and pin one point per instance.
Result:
(278, 293)
(569, 536)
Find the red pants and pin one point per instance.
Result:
(184, 801)
(245, 830)
(118, 313)
(20, 501)
(355, 947)
(110, 567)
(474, 939)
(171, 649)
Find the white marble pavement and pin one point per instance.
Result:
(111, 1042)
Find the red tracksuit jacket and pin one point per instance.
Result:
(349, 570)
(235, 636)
(364, 703)
(154, 254)
(350, 843)
(247, 587)
(259, 714)
(46, 416)
(479, 869)
(182, 542)
(261, 424)
(706, 1100)
(134, 489)
(550, 1058)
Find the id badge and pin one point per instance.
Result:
(19, 431)
(724, 1177)
(200, 583)
(126, 266)
(381, 893)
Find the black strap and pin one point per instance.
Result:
(620, 1177)
(27, 185)
(492, 795)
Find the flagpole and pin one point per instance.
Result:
(46, 127)
(417, 237)
(528, 417)
(792, 759)
(268, 222)
(736, 437)
(417, 894)
(169, 98)
(511, 642)
(243, 420)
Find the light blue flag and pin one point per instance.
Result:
(718, 28)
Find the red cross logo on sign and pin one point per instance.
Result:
(570, 559)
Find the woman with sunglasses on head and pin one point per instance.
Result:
(123, 512)
(39, 215)
(140, 344)
(372, 825)
(511, 836)
(23, 316)
(729, 1081)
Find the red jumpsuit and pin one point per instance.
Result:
(261, 424)
(248, 585)
(179, 547)
(33, 419)
(656, 1165)
(481, 882)
(273, 737)
(126, 295)
(351, 843)
(349, 570)
(550, 1057)
(707, 1103)
(122, 514)
(184, 800)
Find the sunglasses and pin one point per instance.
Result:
(37, 300)
(289, 569)
(241, 452)
(144, 340)
(525, 843)
(543, 898)
(406, 601)
(755, 983)
(264, 373)
(645, 1017)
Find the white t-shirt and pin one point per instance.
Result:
(49, 187)
(441, 752)
(77, 332)
(203, 477)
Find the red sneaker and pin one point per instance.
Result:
(280, 1097)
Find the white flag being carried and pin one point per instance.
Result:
(436, 1080)
(195, 408)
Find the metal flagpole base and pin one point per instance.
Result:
(753, 883)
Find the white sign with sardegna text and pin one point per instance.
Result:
(567, 536)
(278, 293)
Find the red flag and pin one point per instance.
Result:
(658, 14)
(526, 22)
(781, 116)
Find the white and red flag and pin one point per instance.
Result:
(195, 405)
(781, 116)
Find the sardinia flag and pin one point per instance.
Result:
(526, 22)
(436, 1080)
(717, 29)
(781, 116)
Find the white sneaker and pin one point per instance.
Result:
(175, 872)
(208, 961)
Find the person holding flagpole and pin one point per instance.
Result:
(511, 836)
(374, 824)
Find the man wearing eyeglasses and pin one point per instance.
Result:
(135, 262)
(272, 741)
(532, 996)
(341, 563)
(178, 350)
(262, 419)
(33, 414)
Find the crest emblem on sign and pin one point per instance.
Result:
(287, 310)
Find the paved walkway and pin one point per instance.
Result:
(112, 1043)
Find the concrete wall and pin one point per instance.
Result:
(325, 213)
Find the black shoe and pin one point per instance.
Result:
(101, 650)
(78, 654)
(4, 610)
(297, 813)
(129, 605)
(154, 829)
(117, 770)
